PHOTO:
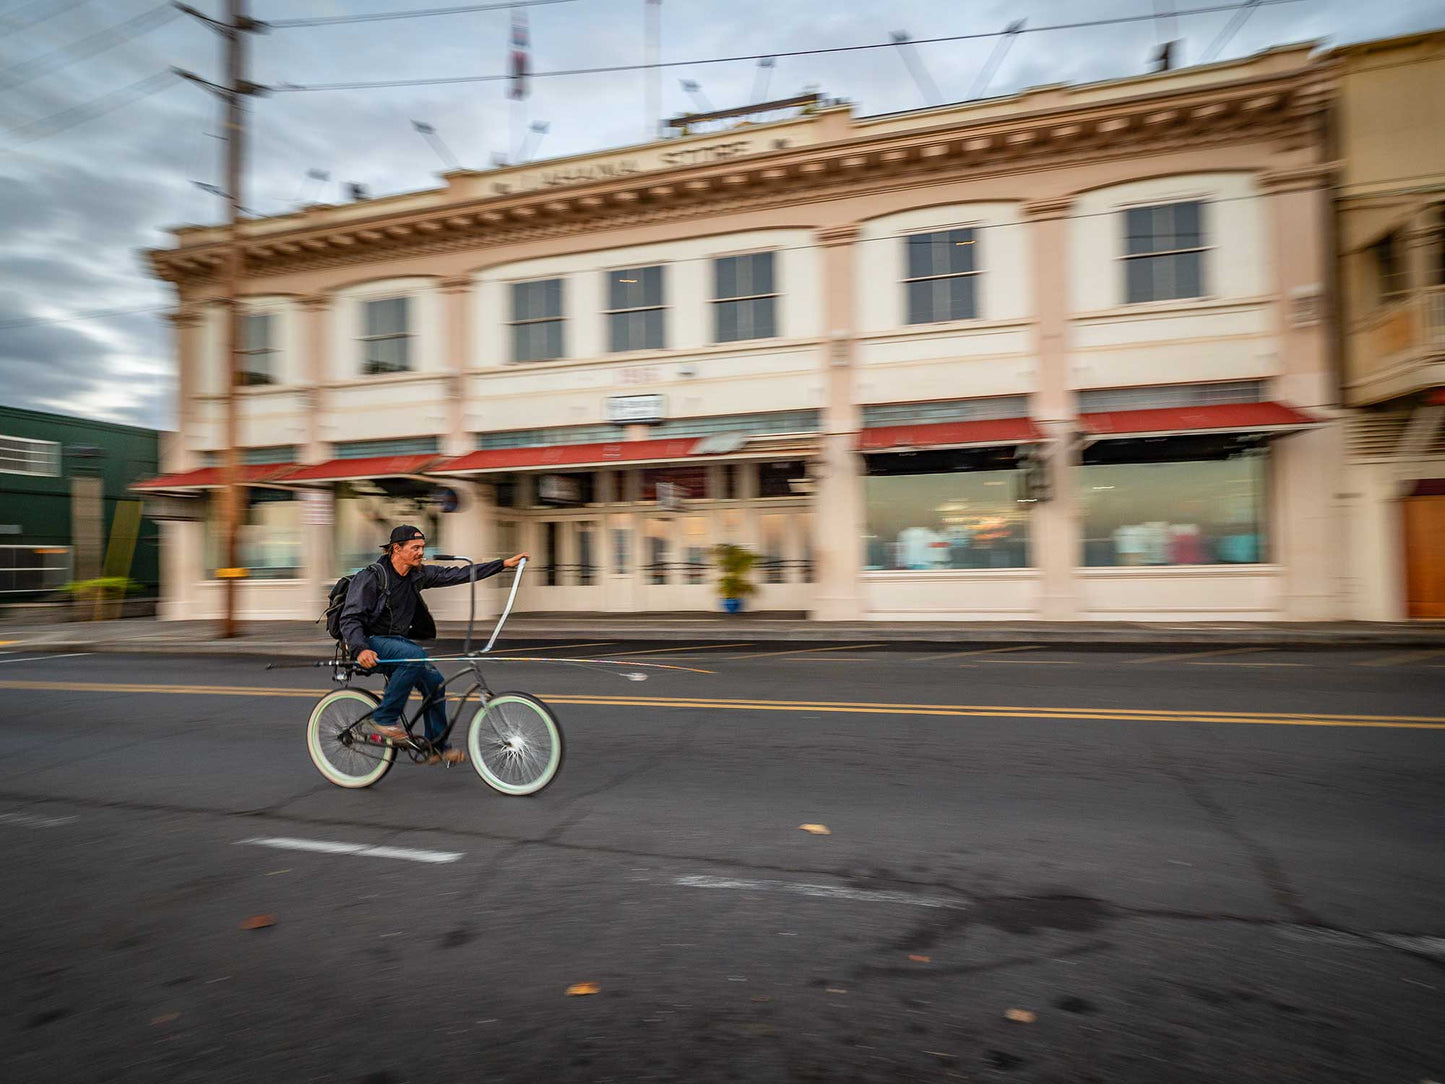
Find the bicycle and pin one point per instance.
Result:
(513, 740)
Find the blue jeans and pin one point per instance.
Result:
(402, 678)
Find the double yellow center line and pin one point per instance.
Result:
(826, 707)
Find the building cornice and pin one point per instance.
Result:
(1277, 106)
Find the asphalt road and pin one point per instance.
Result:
(1197, 866)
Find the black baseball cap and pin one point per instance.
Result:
(402, 534)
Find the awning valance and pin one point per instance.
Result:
(974, 434)
(213, 477)
(635, 452)
(1193, 420)
(351, 470)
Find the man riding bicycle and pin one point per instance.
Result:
(384, 616)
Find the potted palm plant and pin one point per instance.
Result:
(734, 584)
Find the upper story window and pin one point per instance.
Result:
(744, 298)
(942, 276)
(537, 320)
(259, 353)
(387, 337)
(1387, 259)
(635, 309)
(22, 455)
(1163, 252)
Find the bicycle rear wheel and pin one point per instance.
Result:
(339, 749)
(515, 744)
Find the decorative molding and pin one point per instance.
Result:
(1263, 109)
(838, 235)
(1299, 179)
(1049, 207)
(183, 318)
(314, 302)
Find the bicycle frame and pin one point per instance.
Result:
(421, 746)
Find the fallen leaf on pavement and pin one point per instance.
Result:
(1021, 1016)
(582, 989)
(165, 1018)
(258, 922)
(816, 829)
(920, 959)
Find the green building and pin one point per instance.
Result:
(65, 513)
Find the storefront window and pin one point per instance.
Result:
(695, 555)
(508, 535)
(268, 542)
(367, 511)
(778, 479)
(691, 482)
(944, 519)
(657, 551)
(586, 561)
(1173, 512)
(774, 565)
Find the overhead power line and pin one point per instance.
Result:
(99, 314)
(20, 19)
(96, 107)
(750, 57)
(382, 16)
(89, 46)
(1240, 17)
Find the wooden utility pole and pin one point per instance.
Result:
(234, 28)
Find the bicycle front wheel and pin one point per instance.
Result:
(515, 743)
(340, 749)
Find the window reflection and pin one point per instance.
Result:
(1203, 512)
(953, 520)
(268, 541)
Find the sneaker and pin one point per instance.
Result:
(448, 757)
(395, 733)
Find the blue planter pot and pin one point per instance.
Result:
(732, 605)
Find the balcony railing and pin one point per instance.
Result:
(1408, 332)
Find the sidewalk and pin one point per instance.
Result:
(302, 638)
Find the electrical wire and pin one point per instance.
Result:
(45, 127)
(87, 47)
(46, 8)
(1230, 28)
(99, 314)
(750, 57)
(381, 16)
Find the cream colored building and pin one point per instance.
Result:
(1390, 141)
(1057, 355)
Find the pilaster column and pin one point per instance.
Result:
(456, 295)
(316, 318)
(179, 454)
(840, 515)
(1055, 534)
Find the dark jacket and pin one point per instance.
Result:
(381, 603)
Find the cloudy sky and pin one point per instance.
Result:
(78, 201)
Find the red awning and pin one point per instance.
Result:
(1222, 418)
(563, 456)
(978, 434)
(215, 477)
(376, 466)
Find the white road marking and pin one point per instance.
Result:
(827, 892)
(1146, 660)
(31, 820)
(44, 658)
(326, 846)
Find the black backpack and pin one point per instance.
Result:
(336, 600)
(423, 626)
